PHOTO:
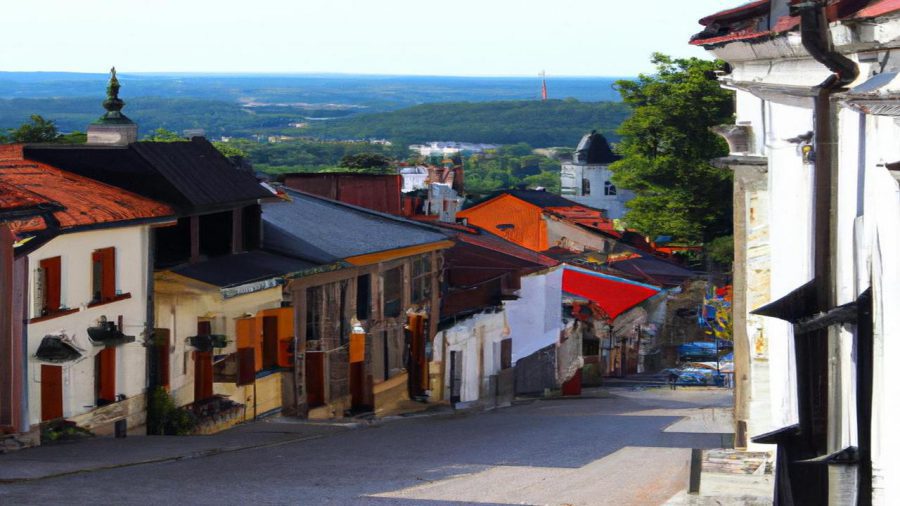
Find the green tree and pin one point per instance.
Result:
(37, 129)
(666, 150)
(366, 161)
(163, 135)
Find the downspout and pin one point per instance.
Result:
(813, 377)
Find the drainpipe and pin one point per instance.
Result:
(823, 389)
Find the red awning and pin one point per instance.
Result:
(613, 295)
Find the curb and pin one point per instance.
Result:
(189, 456)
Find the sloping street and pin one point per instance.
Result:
(620, 446)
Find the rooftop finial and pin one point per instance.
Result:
(113, 104)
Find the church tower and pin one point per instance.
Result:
(113, 128)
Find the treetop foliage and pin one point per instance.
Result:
(667, 146)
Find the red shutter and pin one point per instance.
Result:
(203, 375)
(107, 374)
(108, 287)
(52, 275)
(51, 392)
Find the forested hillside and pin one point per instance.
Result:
(539, 124)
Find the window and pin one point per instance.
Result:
(313, 313)
(421, 279)
(506, 353)
(609, 188)
(103, 275)
(585, 186)
(363, 297)
(47, 287)
(393, 292)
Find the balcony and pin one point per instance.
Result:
(106, 333)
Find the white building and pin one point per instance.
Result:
(89, 277)
(588, 180)
(450, 148)
(817, 234)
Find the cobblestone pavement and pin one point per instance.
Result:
(621, 449)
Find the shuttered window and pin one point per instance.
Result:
(393, 292)
(48, 278)
(103, 275)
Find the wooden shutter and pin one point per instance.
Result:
(108, 260)
(51, 392)
(52, 268)
(270, 341)
(106, 375)
(203, 380)
(246, 366)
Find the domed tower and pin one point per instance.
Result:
(113, 128)
(588, 180)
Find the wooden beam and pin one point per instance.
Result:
(382, 256)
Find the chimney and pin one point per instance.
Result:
(113, 128)
(11, 152)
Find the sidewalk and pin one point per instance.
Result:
(731, 477)
(99, 453)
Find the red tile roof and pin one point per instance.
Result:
(13, 198)
(84, 202)
(879, 8)
(492, 242)
(743, 22)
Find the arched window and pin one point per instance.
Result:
(609, 188)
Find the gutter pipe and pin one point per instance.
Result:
(816, 387)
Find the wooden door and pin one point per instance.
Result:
(418, 362)
(105, 376)
(51, 392)
(270, 342)
(358, 371)
(315, 378)
(161, 363)
(203, 380)
(455, 376)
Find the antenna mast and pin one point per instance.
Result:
(543, 85)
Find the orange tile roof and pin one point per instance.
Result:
(84, 202)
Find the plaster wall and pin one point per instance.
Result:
(75, 251)
(572, 237)
(180, 302)
(478, 339)
(572, 177)
(535, 319)
(790, 183)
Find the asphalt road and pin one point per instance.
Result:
(619, 450)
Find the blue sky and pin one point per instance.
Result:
(425, 37)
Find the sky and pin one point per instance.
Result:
(419, 37)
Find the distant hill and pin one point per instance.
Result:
(540, 124)
(377, 93)
(404, 109)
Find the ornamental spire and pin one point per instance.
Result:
(113, 104)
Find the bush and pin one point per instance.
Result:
(164, 418)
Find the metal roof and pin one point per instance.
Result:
(325, 231)
(190, 175)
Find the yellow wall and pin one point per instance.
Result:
(181, 301)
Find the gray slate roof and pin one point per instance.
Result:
(325, 231)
